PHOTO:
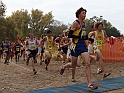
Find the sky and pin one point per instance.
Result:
(64, 10)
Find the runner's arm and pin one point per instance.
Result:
(37, 44)
(74, 27)
(91, 34)
(107, 38)
(26, 45)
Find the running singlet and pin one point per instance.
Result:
(77, 33)
(99, 39)
(31, 44)
(6, 47)
(78, 45)
(48, 44)
(17, 48)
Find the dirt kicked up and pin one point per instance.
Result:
(17, 78)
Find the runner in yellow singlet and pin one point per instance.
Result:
(48, 44)
(99, 36)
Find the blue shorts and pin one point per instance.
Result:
(80, 48)
(1, 51)
(36, 50)
(7, 52)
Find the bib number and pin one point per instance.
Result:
(5, 49)
(83, 33)
(50, 47)
(17, 49)
(32, 47)
(99, 42)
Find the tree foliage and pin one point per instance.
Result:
(2, 9)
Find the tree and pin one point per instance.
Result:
(11, 31)
(2, 20)
(2, 9)
(57, 27)
(46, 21)
(35, 18)
(35, 22)
(21, 20)
(2, 28)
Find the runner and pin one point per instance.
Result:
(78, 47)
(42, 48)
(48, 43)
(65, 42)
(17, 49)
(12, 50)
(58, 43)
(1, 50)
(23, 50)
(69, 64)
(99, 36)
(6, 46)
(32, 45)
(26, 50)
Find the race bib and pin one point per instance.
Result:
(5, 49)
(83, 33)
(32, 47)
(50, 47)
(72, 47)
(99, 42)
(17, 49)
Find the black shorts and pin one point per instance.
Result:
(32, 53)
(65, 50)
(17, 52)
(42, 50)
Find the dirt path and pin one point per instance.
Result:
(16, 78)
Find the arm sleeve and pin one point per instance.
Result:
(70, 34)
(92, 40)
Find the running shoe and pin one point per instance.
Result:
(62, 71)
(73, 80)
(92, 87)
(99, 71)
(106, 75)
(35, 72)
(46, 68)
(5, 62)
